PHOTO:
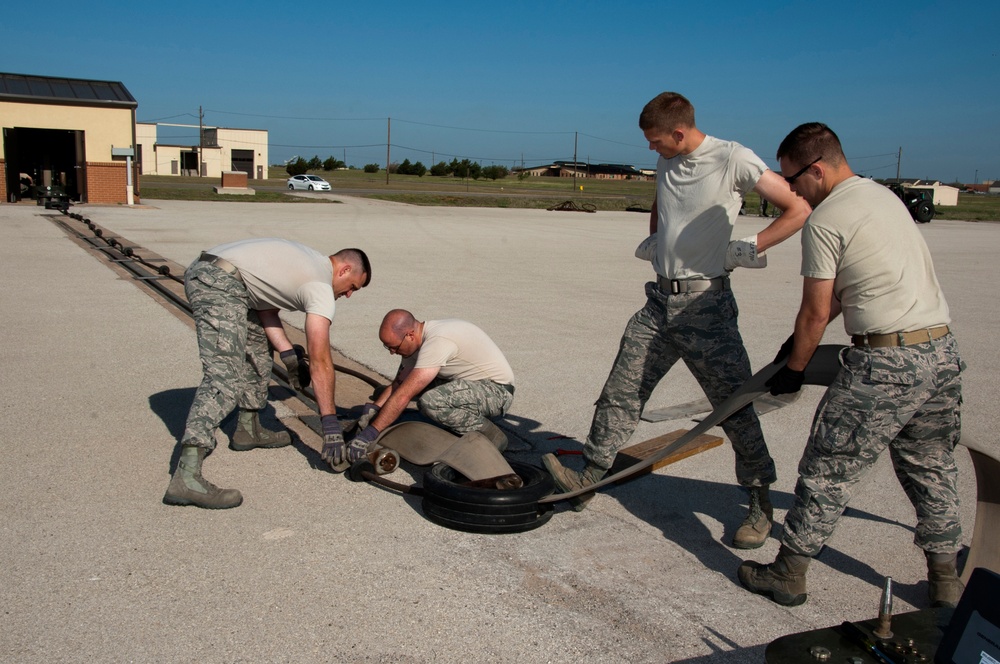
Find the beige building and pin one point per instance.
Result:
(76, 133)
(570, 169)
(221, 149)
(942, 195)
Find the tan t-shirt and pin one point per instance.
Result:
(281, 274)
(462, 351)
(863, 238)
(698, 198)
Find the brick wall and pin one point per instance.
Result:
(106, 182)
(234, 180)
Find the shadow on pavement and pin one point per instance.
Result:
(683, 499)
(172, 407)
(753, 655)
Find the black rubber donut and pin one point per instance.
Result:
(447, 503)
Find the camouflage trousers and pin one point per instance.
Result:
(700, 329)
(908, 399)
(462, 406)
(235, 356)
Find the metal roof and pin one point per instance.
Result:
(72, 90)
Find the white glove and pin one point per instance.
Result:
(743, 253)
(646, 250)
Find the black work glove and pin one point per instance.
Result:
(297, 365)
(786, 381)
(334, 450)
(785, 350)
(361, 444)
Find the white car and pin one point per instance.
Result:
(308, 182)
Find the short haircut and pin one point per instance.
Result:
(358, 260)
(667, 111)
(809, 142)
(400, 321)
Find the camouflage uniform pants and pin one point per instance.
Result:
(701, 330)
(908, 399)
(235, 356)
(462, 406)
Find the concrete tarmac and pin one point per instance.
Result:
(313, 568)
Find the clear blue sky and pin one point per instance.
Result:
(498, 82)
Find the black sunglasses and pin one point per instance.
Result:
(792, 178)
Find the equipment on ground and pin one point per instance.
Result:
(470, 486)
(52, 196)
(917, 201)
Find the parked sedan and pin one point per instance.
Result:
(308, 182)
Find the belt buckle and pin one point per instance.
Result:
(675, 287)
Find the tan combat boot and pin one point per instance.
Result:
(783, 581)
(571, 480)
(754, 530)
(188, 487)
(944, 586)
(251, 434)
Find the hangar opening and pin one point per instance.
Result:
(75, 133)
(41, 157)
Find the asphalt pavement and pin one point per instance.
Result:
(314, 568)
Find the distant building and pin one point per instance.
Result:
(222, 149)
(76, 133)
(994, 187)
(942, 195)
(568, 169)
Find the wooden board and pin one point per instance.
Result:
(633, 454)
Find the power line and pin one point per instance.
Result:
(608, 140)
(487, 131)
(292, 117)
(877, 168)
(327, 147)
(169, 117)
(872, 156)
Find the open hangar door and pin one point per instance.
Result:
(243, 161)
(44, 157)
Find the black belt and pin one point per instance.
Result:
(900, 338)
(675, 286)
(222, 264)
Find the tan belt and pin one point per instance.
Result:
(222, 264)
(675, 286)
(900, 338)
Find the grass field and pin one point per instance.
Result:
(534, 192)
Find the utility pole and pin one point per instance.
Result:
(388, 141)
(899, 158)
(201, 139)
(575, 136)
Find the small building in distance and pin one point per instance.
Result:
(568, 169)
(221, 149)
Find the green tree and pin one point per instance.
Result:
(297, 167)
(464, 168)
(315, 164)
(495, 172)
(440, 169)
(332, 164)
(372, 168)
